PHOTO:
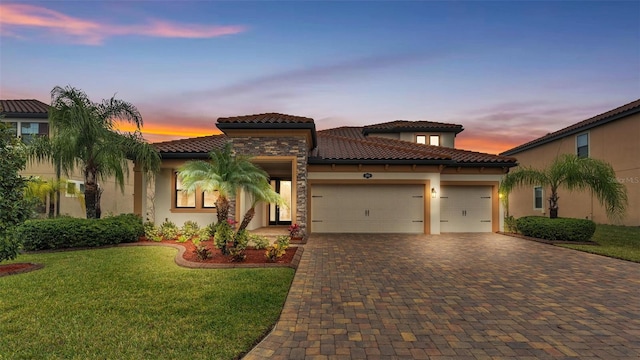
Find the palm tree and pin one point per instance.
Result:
(226, 174)
(84, 136)
(573, 173)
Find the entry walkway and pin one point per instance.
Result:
(469, 296)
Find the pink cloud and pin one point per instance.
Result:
(16, 17)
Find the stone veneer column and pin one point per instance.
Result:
(280, 146)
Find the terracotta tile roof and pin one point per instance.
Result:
(202, 145)
(24, 108)
(378, 148)
(406, 125)
(332, 147)
(624, 110)
(268, 118)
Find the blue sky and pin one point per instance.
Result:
(507, 71)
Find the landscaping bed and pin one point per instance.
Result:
(18, 268)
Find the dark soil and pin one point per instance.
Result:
(19, 268)
(253, 256)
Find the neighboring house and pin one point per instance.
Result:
(373, 179)
(613, 136)
(30, 118)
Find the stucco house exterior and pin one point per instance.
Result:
(613, 136)
(394, 177)
(30, 118)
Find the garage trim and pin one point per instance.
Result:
(427, 191)
(495, 198)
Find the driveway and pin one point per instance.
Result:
(467, 296)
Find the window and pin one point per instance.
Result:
(582, 145)
(29, 130)
(196, 201)
(14, 127)
(74, 188)
(434, 140)
(421, 139)
(209, 199)
(537, 198)
(183, 198)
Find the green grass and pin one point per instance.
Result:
(622, 242)
(135, 303)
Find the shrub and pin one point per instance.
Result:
(211, 229)
(202, 252)
(556, 229)
(190, 228)
(223, 235)
(182, 238)
(510, 224)
(202, 235)
(242, 239)
(283, 241)
(9, 246)
(259, 242)
(278, 249)
(151, 232)
(61, 233)
(169, 230)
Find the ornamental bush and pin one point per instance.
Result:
(64, 233)
(556, 229)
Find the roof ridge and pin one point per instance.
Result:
(188, 139)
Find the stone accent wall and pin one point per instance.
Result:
(281, 146)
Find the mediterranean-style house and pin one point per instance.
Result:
(394, 177)
(613, 136)
(30, 118)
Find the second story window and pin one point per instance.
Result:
(434, 140)
(29, 130)
(582, 145)
(421, 139)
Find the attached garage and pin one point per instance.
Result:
(370, 208)
(466, 209)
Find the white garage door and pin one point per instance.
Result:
(367, 209)
(465, 209)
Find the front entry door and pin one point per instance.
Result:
(281, 215)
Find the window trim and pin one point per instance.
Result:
(541, 208)
(199, 204)
(79, 184)
(588, 144)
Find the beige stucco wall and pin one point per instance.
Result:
(113, 200)
(447, 139)
(617, 143)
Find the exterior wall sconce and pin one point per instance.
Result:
(433, 193)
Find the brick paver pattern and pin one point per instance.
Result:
(467, 296)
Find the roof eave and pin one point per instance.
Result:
(319, 161)
(184, 155)
(455, 130)
(21, 115)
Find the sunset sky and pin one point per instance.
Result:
(508, 71)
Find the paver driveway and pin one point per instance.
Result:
(469, 296)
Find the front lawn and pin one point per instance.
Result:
(622, 242)
(135, 303)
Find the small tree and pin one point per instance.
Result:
(573, 173)
(14, 208)
(227, 173)
(48, 190)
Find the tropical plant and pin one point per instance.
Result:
(227, 173)
(14, 208)
(169, 230)
(573, 173)
(190, 228)
(84, 136)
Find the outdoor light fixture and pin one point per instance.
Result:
(433, 193)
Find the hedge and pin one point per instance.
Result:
(63, 233)
(556, 229)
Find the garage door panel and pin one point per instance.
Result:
(367, 208)
(466, 209)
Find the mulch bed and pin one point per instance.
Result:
(18, 268)
(253, 256)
